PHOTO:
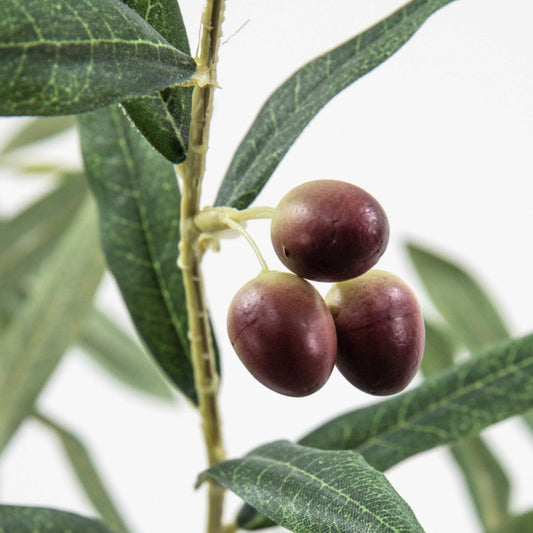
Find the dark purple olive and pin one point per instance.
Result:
(380, 331)
(328, 230)
(283, 332)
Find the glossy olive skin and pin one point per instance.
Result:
(380, 331)
(329, 230)
(283, 332)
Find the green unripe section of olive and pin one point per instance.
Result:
(283, 332)
(380, 331)
(329, 230)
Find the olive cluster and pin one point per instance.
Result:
(370, 324)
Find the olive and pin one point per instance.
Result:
(283, 332)
(329, 230)
(380, 331)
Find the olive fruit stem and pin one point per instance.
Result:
(213, 219)
(257, 211)
(237, 227)
(191, 172)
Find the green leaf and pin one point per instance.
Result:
(518, 524)
(87, 474)
(439, 351)
(15, 519)
(249, 519)
(26, 239)
(164, 117)
(30, 170)
(528, 419)
(486, 479)
(121, 356)
(313, 491)
(293, 105)
(487, 482)
(42, 210)
(109, 346)
(494, 385)
(49, 320)
(459, 298)
(37, 130)
(139, 206)
(10, 301)
(462, 302)
(71, 56)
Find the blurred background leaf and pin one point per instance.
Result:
(122, 357)
(519, 524)
(460, 299)
(484, 476)
(27, 238)
(87, 473)
(37, 130)
(109, 346)
(50, 319)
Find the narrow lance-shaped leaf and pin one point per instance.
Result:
(71, 56)
(109, 345)
(518, 524)
(49, 321)
(487, 389)
(30, 219)
(33, 170)
(10, 302)
(120, 355)
(38, 519)
(494, 385)
(27, 238)
(486, 479)
(139, 205)
(293, 105)
(462, 301)
(87, 474)
(459, 298)
(439, 350)
(308, 491)
(164, 117)
(38, 130)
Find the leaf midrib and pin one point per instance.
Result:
(320, 481)
(163, 289)
(170, 118)
(88, 42)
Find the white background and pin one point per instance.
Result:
(441, 135)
